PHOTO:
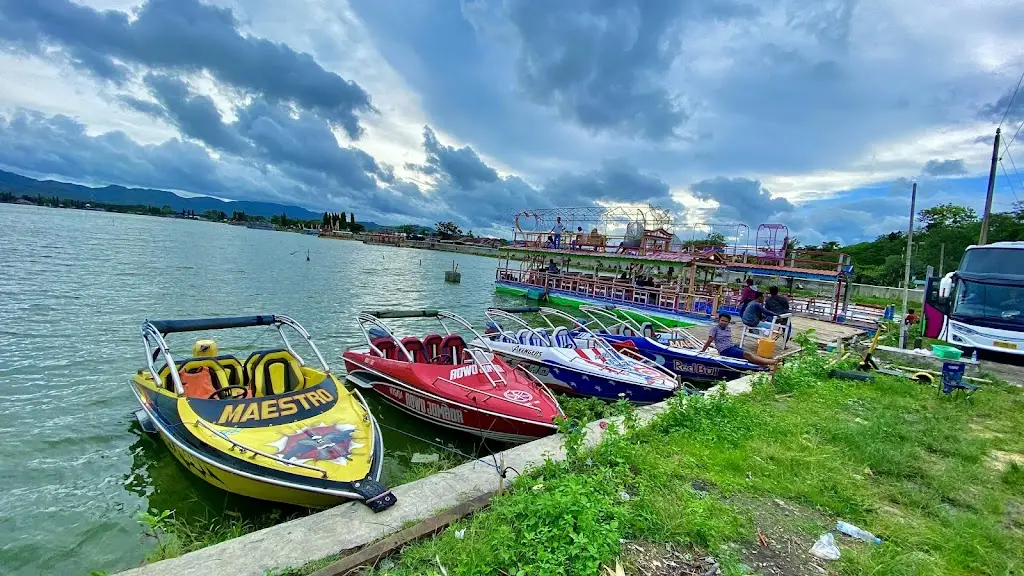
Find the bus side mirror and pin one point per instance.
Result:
(946, 286)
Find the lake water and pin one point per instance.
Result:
(74, 288)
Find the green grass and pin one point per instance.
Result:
(175, 537)
(887, 455)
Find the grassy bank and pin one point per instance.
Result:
(939, 480)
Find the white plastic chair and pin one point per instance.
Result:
(774, 330)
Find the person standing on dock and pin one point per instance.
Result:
(721, 335)
(747, 294)
(558, 230)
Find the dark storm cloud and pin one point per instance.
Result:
(181, 36)
(195, 115)
(1009, 104)
(941, 168)
(59, 146)
(464, 180)
(298, 143)
(461, 166)
(741, 199)
(599, 63)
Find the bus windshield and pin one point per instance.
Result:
(989, 304)
(1002, 261)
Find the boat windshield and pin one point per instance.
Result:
(989, 305)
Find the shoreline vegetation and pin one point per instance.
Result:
(742, 485)
(280, 222)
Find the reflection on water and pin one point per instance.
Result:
(75, 287)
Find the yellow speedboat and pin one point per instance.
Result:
(269, 427)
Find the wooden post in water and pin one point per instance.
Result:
(453, 276)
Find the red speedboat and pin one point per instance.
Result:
(437, 378)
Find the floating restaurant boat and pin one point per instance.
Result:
(674, 348)
(600, 262)
(439, 379)
(270, 427)
(576, 361)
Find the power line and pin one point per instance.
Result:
(1014, 135)
(1014, 164)
(1008, 181)
(1010, 103)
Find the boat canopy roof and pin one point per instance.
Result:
(196, 324)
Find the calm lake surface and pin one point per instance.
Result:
(74, 288)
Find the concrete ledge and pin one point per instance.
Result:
(298, 542)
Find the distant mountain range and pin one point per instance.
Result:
(22, 185)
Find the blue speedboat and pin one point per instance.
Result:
(675, 349)
(575, 360)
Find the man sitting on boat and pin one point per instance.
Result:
(721, 335)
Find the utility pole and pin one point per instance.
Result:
(942, 257)
(906, 273)
(991, 188)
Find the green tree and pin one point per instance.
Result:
(716, 239)
(946, 216)
(447, 230)
(351, 217)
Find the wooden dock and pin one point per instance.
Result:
(824, 333)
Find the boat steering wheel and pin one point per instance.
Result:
(217, 394)
(446, 357)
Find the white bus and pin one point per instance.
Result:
(980, 305)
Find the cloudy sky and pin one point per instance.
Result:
(815, 114)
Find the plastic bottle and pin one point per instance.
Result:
(974, 356)
(851, 530)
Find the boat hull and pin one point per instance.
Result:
(582, 373)
(236, 483)
(457, 417)
(587, 385)
(239, 475)
(691, 365)
(399, 388)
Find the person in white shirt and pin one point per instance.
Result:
(558, 230)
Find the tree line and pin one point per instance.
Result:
(337, 221)
(941, 235)
(239, 217)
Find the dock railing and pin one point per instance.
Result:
(667, 297)
(591, 243)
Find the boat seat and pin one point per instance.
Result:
(165, 375)
(562, 338)
(647, 329)
(538, 338)
(250, 365)
(233, 368)
(453, 345)
(415, 347)
(509, 337)
(432, 345)
(277, 373)
(386, 345)
(202, 377)
(626, 330)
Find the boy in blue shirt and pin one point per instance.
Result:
(721, 335)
